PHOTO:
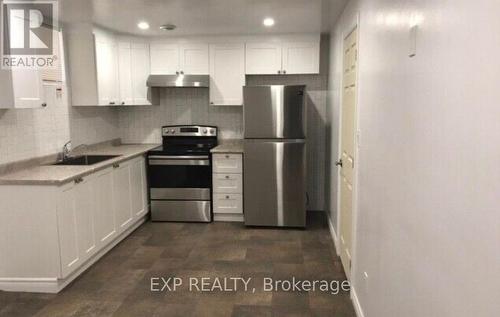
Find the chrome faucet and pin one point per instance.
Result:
(66, 151)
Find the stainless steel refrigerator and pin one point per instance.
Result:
(275, 156)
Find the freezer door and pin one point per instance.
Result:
(274, 112)
(274, 183)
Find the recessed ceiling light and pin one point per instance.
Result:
(168, 27)
(268, 22)
(143, 25)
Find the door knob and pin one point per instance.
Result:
(339, 163)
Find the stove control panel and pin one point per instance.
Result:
(189, 130)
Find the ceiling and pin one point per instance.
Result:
(204, 17)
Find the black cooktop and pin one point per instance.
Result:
(200, 149)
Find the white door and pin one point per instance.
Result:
(84, 205)
(164, 59)
(68, 230)
(263, 58)
(121, 196)
(193, 59)
(107, 72)
(301, 58)
(104, 218)
(227, 74)
(140, 72)
(27, 88)
(348, 148)
(125, 73)
(138, 187)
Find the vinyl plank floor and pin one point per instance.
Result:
(119, 283)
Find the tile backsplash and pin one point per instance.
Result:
(29, 133)
(178, 106)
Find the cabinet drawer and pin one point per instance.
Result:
(227, 163)
(228, 203)
(228, 183)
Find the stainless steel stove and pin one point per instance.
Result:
(180, 174)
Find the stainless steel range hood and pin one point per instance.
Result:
(158, 81)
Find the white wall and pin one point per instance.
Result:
(428, 228)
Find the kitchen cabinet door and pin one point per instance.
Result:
(227, 74)
(104, 219)
(193, 59)
(28, 88)
(68, 230)
(138, 187)
(140, 72)
(164, 59)
(263, 58)
(125, 73)
(121, 196)
(301, 57)
(107, 72)
(84, 205)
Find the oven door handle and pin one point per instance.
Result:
(179, 157)
(163, 161)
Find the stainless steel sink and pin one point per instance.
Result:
(86, 160)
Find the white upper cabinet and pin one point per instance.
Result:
(164, 59)
(140, 73)
(108, 88)
(171, 59)
(21, 88)
(263, 58)
(28, 88)
(134, 71)
(193, 59)
(125, 73)
(227, 74)
(300, 57)
(297, 57)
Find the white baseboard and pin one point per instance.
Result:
(53, 284)
(356, 304)
(229, 217)
(333, 233)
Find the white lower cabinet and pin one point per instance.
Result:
(121, 196)
(228, 203)
(227, 179)
(138, 181)
(84, 206)
(68, 232)
(80, 220)
(104, 218)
